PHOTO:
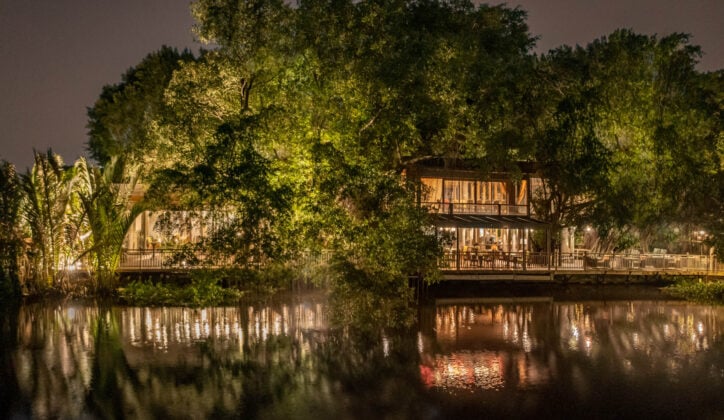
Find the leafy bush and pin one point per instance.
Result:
(370, 302)
(700, 291)
(203, 290)
(267, 281)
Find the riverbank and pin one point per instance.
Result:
(697, 290)
(556, 292)
(190, 288)
(583, 286)
(201, 288)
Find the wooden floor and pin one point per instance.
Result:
(508, 267)
(573, 275)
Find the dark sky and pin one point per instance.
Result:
(56, 55)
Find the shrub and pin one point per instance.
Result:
(203, 290)
(700, 291)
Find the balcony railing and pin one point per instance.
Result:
(164, 259)
(532, 261)
(142, 260)
(481, 209)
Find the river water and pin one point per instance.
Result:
(512, 357)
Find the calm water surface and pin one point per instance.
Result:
(474, 358)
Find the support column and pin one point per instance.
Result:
(457, 248)
(525, 250)
(548, 246)
(528, 196)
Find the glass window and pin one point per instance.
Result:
(492, 192)
(431, 189)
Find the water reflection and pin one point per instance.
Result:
(169, 328)
(664, 353)
(512, 358)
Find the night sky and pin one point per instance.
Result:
(56, 55)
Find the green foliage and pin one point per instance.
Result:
(371, 302)
(74, 215)
(107, 215)
(628, 136)
(697, 290)
(203, 290)
(141, 293)
(234, 183)
(10, 236)
(119, 121)
(261, 282)
(293, 134)
(397, 80)
(47, 189)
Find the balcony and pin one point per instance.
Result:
(473, 260)
(476, 209)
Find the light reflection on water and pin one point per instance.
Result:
(282, 359)
(162, 328)
(513, 342)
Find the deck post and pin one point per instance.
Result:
(527, 195)
(525, 245)
(548, 246)
(457, 247)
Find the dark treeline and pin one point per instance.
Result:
(295, 129)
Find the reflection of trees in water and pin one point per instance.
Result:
(216, 361)
(282, 359)
(269, 361)
(9, 388)
(53, 358)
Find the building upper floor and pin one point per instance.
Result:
(460, 190)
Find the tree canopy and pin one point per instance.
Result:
(119, 122)
(302, 118)
(630, 137)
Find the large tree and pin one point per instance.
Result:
(348, 93)
(120, 122)
(233, 186)
(629, 141)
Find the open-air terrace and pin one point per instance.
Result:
(490, 262)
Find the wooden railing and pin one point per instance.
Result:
(163, 259)
(148, 259)
(170, 259)
(481, 209)
(532, 261)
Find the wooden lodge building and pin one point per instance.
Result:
(485, 220)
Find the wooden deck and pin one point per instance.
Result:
(499, 266)
(574, 276)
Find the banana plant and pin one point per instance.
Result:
(47, 190)
(108, 214)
